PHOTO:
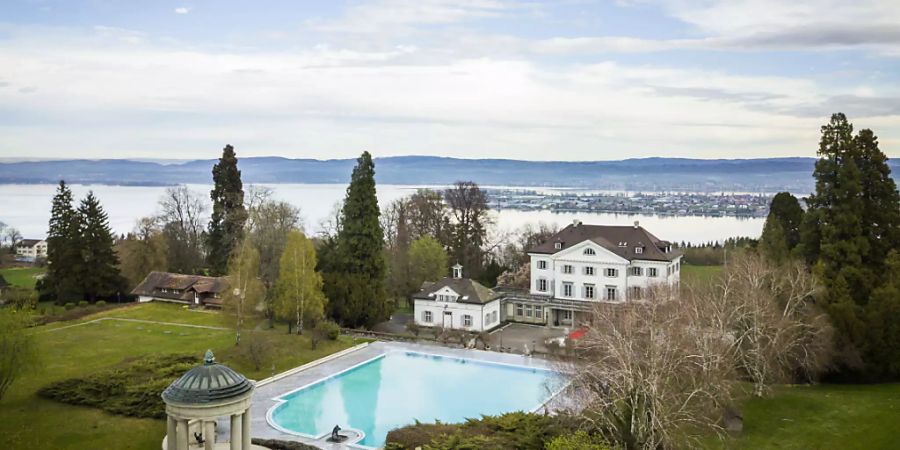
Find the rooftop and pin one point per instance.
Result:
(207, 383)
(621, 240)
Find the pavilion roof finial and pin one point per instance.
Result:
(209, 358)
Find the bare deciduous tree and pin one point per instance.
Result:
(183, 219)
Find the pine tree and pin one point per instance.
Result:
(298, 291)
(63, 249)
(357, 288)
(99, 274)
(226, 224)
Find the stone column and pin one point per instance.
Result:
(236, 431)
(245, 430)
(171, 435)
(181, 434)
(209, 434)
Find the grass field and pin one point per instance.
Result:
(22, 276)
(699, 273)
(28, 421)
(846, 417)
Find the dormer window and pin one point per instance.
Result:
(638, 250)
(557, 245)
(589, 252)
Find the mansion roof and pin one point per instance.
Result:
(28, 243)
(618, 239)
(470, 291)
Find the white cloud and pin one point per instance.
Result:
(182, 10)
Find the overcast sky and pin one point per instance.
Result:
(556, 79)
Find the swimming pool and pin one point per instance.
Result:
(399, 387)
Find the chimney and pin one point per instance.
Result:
(457, 271)
(576, 223)
(637, 224)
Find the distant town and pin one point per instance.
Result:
(662, 203)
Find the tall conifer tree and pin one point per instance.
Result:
(63, 248)
(360, 295)
(226, 224)
(99, 269)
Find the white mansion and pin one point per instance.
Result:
(573, 270)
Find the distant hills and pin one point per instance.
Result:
(766, 174)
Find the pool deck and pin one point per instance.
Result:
(268, 390)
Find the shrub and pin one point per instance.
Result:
(69, 306)
(129, 389)
(100, 303)
(524, 431)
(578, 441)
(83, 303)
(325, 329)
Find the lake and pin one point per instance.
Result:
(27, 207)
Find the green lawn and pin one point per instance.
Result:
(28, 421)
(845, 417)
(699, 273)
(22, 276)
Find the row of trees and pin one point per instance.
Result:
(850, 236)
(82, 264)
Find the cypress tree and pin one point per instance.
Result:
(362, 298)
(99, 268)
(63, 249)
(226, 225)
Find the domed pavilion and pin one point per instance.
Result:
(202, 395)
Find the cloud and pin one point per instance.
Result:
(182, 10)
(386, 16)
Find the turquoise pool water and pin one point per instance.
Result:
(399, 387)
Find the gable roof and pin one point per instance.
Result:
(185, 283)
(470, 291)
(28, 242)
(619, 239)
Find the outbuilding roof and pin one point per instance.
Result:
(622, 240)
(470, 291)
(186, 284)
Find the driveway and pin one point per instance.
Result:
(515, 336)
(396, 324)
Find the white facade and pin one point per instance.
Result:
(446, 311)
(32, 252)
(587, 271)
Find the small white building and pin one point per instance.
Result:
(457, 303)
(31, 249)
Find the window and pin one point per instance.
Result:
(557, 245)
(493, 316)
(567, 289)
(566, 315)
(610, 293)
(542, 264)
(568, 268)
(487, 318)
(678, 267)
(467, 320)
(612, 273)
(542, 285)
(427, 317)
(636, 292)
(520, 311)
(589, 251)
(638, 250)
(589, 270)
(538, 312)
(527, 310)
(651, 272)
(589, 291)
(637, 271)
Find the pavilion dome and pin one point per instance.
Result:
(210, 382)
